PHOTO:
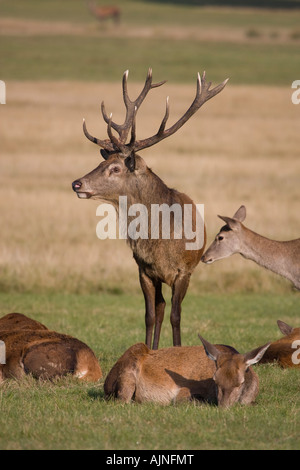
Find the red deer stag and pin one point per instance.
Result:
(286, 350)
(30, 348)
(124, 173)
(104, 12)
(213, 373)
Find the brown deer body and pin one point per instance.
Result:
(105, 12)
(281, 257)
(285, 351)
(213, 373)
(124, 173)
(33, 349)
(19, 321)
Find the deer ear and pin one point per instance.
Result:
(233, 224)
(284, 327)
(211, 351)
(240, 214)
(130, 162)
(255, 355)
(104, 154)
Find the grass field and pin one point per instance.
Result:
(66, 415)
(241, 148)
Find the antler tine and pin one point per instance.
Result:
(131, 106)
(116, 142)
(165, 118)
(124, 86)
(133, 131)
(106, 144)
(203, 94)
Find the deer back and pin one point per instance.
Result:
(47, 354)
(285, 351)
(19, 321)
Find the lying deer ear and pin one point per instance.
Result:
(284, 327)
(211, 351)
(130, 162)
(104, 154)
(255, 356)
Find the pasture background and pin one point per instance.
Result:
(242, 147)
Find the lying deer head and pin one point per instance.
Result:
(235, 381)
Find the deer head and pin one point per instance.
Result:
(228, 240)
(117, 174)
(233, 378)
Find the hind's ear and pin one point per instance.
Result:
(233, 224)
(255, 355)
(210, 349)
(240, 214)
(130, 162)
(284, 327)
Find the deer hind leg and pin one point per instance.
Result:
(148, 289)
(179, 289)
(87, 366)
(48, 360)
(120, 383)
(13, 368)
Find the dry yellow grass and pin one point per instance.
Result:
(240, 148)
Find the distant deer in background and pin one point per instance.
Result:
(105, 12)
(124, 173)
(281, 257)
(285, 351)
(213, 373)
(33, 349)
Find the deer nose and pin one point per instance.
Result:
(76, 185)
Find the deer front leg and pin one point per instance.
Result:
(179, 289)
(148, 289)
(159, 313)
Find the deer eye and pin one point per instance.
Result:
(220, 237)
(115, 169)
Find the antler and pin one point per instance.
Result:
(203, 94)
(113, 144)
(131, 106)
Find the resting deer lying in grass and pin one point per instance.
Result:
(124, 173)
(280, 257)
(286, 350)
(33, 349)
(213, 373)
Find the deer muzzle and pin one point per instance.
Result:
(207, 259)
(77, 187)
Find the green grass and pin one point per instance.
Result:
(68, 415)
(144, 12)
(73, 58)
(105, 57)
